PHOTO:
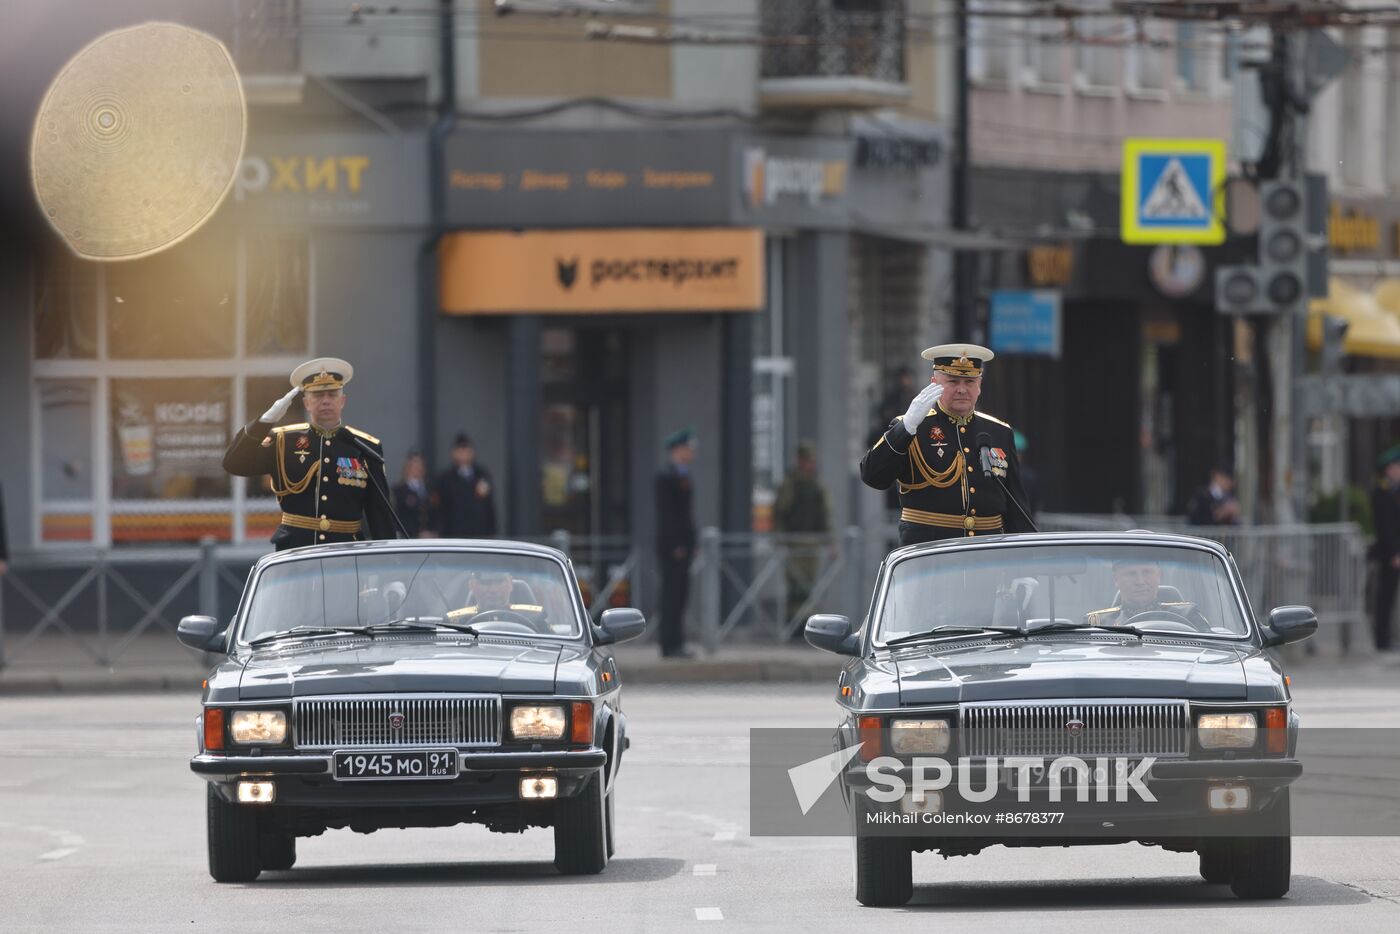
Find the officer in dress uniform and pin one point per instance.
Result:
(320, 473)
(1140, 593)
(949, 460)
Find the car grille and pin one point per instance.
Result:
(1116, 728)
(442, 720)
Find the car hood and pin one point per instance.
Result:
(1052, 667)
(380, 667)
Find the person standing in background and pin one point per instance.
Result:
(411, 496)
(802, 509)
(463, 498)
(675, 539)
(1385, 509)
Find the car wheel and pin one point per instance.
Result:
(233, 840)
(612, 820)
(276, 850)
(581, 832)
(1262, 867)
(1215, 861)
(884, 871)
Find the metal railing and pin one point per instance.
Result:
(817, 40)
(746, 587)
(1322, 566)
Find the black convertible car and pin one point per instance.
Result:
(1062, 690)
(396, 684)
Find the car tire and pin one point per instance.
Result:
(884, 871)
(233, 840)
(612, 820)
(1215, 861)
(581, 831)
(276, 850)
(1262, 867)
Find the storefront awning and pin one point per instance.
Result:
(1372, 331)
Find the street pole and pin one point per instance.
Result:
(964, 262)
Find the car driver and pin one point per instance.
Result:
(1139, 594)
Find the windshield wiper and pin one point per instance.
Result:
(415, 624)
(948, 630)
(1066, 627)
(300, 632)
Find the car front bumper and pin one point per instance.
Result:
(306, 780)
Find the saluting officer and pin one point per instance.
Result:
(324, 480)
(940, 453)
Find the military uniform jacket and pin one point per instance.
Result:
(943, 492)
(675, 518)
(321, 478)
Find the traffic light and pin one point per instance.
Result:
(1239, 290)
(1280, 281)
(1283, 252)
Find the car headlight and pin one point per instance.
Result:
(1226, 730)
(919, 736)
(250, 727)
(536, 722)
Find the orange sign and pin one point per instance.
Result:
(638, 269)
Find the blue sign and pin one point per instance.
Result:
(1026, 323)
(1171, 191)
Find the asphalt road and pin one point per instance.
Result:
(101, 828)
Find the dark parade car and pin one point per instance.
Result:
(388, 684)
(1064, 690)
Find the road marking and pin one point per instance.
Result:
(705, 869)
(724, 836)
(708, 914)
(59, 854)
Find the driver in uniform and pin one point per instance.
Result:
(491, 591)
(1138, 582)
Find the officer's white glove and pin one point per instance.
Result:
(918, 409)
(279, 408)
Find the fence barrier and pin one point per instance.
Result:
(746, 587)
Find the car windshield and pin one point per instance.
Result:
(490, 593)
(1150, 588)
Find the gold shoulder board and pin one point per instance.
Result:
(363, 434)
(464, 611)
(299, 426)
(527, 607)
(1094, 615)
(993, 418)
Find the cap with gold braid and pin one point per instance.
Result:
(958, 359)
(322, 373)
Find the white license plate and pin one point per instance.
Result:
(396, 765)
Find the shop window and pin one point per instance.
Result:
(178, 304)
(65, 459)
(278, 295)
(65, 307)
(168, 438)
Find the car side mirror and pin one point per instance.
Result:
(620, 624)
(832, 633)
(202, 633)
(1290, 624)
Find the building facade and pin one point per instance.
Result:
(606, 241)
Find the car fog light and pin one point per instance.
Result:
(256, 792)
(932, 803)
(539, 787)
(1229, 798)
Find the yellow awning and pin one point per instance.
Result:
(1372, 330)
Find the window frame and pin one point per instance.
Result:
(101, 370)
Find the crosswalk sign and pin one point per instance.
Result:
(1173, 191)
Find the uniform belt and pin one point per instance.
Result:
(944, 520)
(322, 524)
